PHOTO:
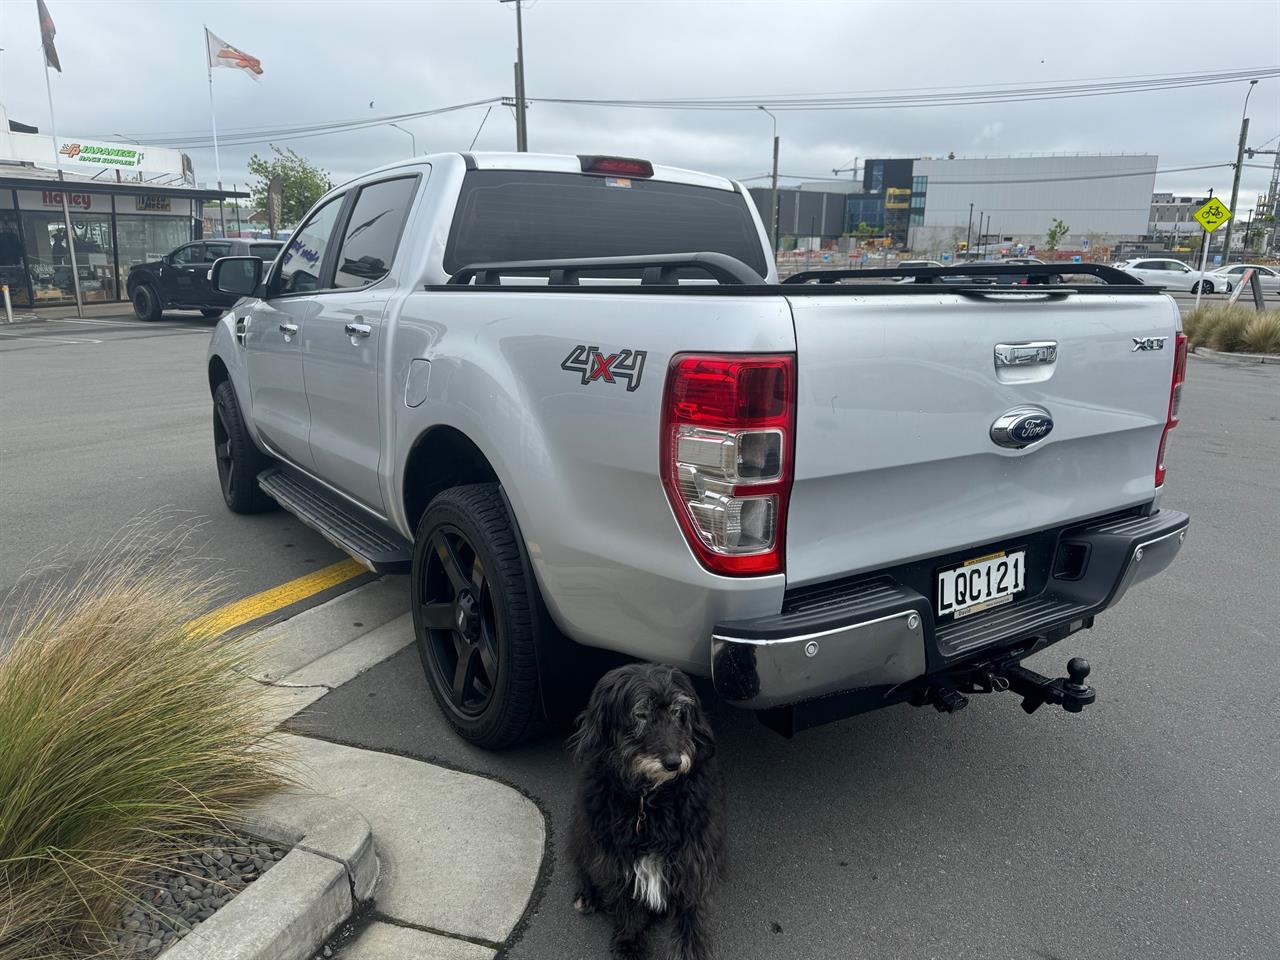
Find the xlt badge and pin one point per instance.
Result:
(1148, 343)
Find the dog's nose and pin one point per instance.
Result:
(671, 762)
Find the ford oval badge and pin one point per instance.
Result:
(1021, 427)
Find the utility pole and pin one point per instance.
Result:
(773, 191)
(1235, 181)
(967, 231)
(522, 121)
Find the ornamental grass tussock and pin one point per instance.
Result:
(1238, 328)
(123, 733)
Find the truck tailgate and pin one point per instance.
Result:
(896, 398)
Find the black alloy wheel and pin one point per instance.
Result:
(146, 304)
(239, 461)
(471, 601)
(458, 615)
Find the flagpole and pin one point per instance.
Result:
(213, 117)
(66, 211)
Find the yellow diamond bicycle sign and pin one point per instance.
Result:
(1213, 214)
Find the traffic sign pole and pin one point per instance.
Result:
(1210, 216)
(1204, 261)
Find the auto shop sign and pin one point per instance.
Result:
(90, 153)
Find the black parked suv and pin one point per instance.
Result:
(180, 281)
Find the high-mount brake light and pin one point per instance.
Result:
(1175, 400)
(622, 166)
(728, 450)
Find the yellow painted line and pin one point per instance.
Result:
(240, 612)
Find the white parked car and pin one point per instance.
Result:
(1171, 274)
(1228, 278)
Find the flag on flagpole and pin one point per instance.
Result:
(47, 33)
(223, 54)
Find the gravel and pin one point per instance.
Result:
(179, 898)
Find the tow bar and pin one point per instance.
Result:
(1069, 692)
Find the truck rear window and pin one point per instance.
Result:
(526, 215)
(265, 251)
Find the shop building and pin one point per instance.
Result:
(116, 225)
(128, 204)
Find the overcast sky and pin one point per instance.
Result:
(138, 69)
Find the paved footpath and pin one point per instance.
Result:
(459, 855)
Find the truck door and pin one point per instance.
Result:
(274, 333)
(343, 343)
(202, 290)
(180, 277)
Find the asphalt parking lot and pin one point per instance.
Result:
(1144, 827)
(103, 420)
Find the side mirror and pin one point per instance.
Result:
(238, 276)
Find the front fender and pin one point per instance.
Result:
(225, 351)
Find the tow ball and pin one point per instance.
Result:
(1069, 692)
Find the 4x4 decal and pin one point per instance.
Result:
(591, 364)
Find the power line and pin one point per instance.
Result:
(1114, 175)
(932, 97)
(247, 135)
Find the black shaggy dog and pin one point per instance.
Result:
(647, 835)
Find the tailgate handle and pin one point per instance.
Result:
(1022, 354)
(1015, 296)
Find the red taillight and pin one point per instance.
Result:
(1175, 400)
(623, 166)
(728, 443)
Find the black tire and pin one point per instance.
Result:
(238, 459)
(146, 303)
(1208, 286)
(473, 617)
(211, 313)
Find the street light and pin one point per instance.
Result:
(413, 141)
(773, 193)
(1235, 181)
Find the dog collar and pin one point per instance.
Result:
(640, 817)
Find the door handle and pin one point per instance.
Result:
(358, 329)
(288, 329)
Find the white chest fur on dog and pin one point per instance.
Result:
(650, 884)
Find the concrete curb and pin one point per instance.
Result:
(290, 911)
(1247, 358)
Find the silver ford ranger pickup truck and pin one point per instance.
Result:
(569, 397)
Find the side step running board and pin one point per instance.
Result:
(348, 528)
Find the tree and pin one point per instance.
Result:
(864, 232)
(1056, 234)
(302, 183)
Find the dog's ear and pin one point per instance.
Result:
(704, 738)
(597, 722)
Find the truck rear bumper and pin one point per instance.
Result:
(876, 634)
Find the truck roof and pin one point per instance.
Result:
(552, 163)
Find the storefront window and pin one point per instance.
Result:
(143, 239)
(49, 259)
(12, 271)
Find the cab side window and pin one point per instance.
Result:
(373, 232)
(304, 256)
(212, 251)
(191, 253)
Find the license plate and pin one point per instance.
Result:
(981, 583)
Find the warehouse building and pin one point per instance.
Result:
(1103, 199)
